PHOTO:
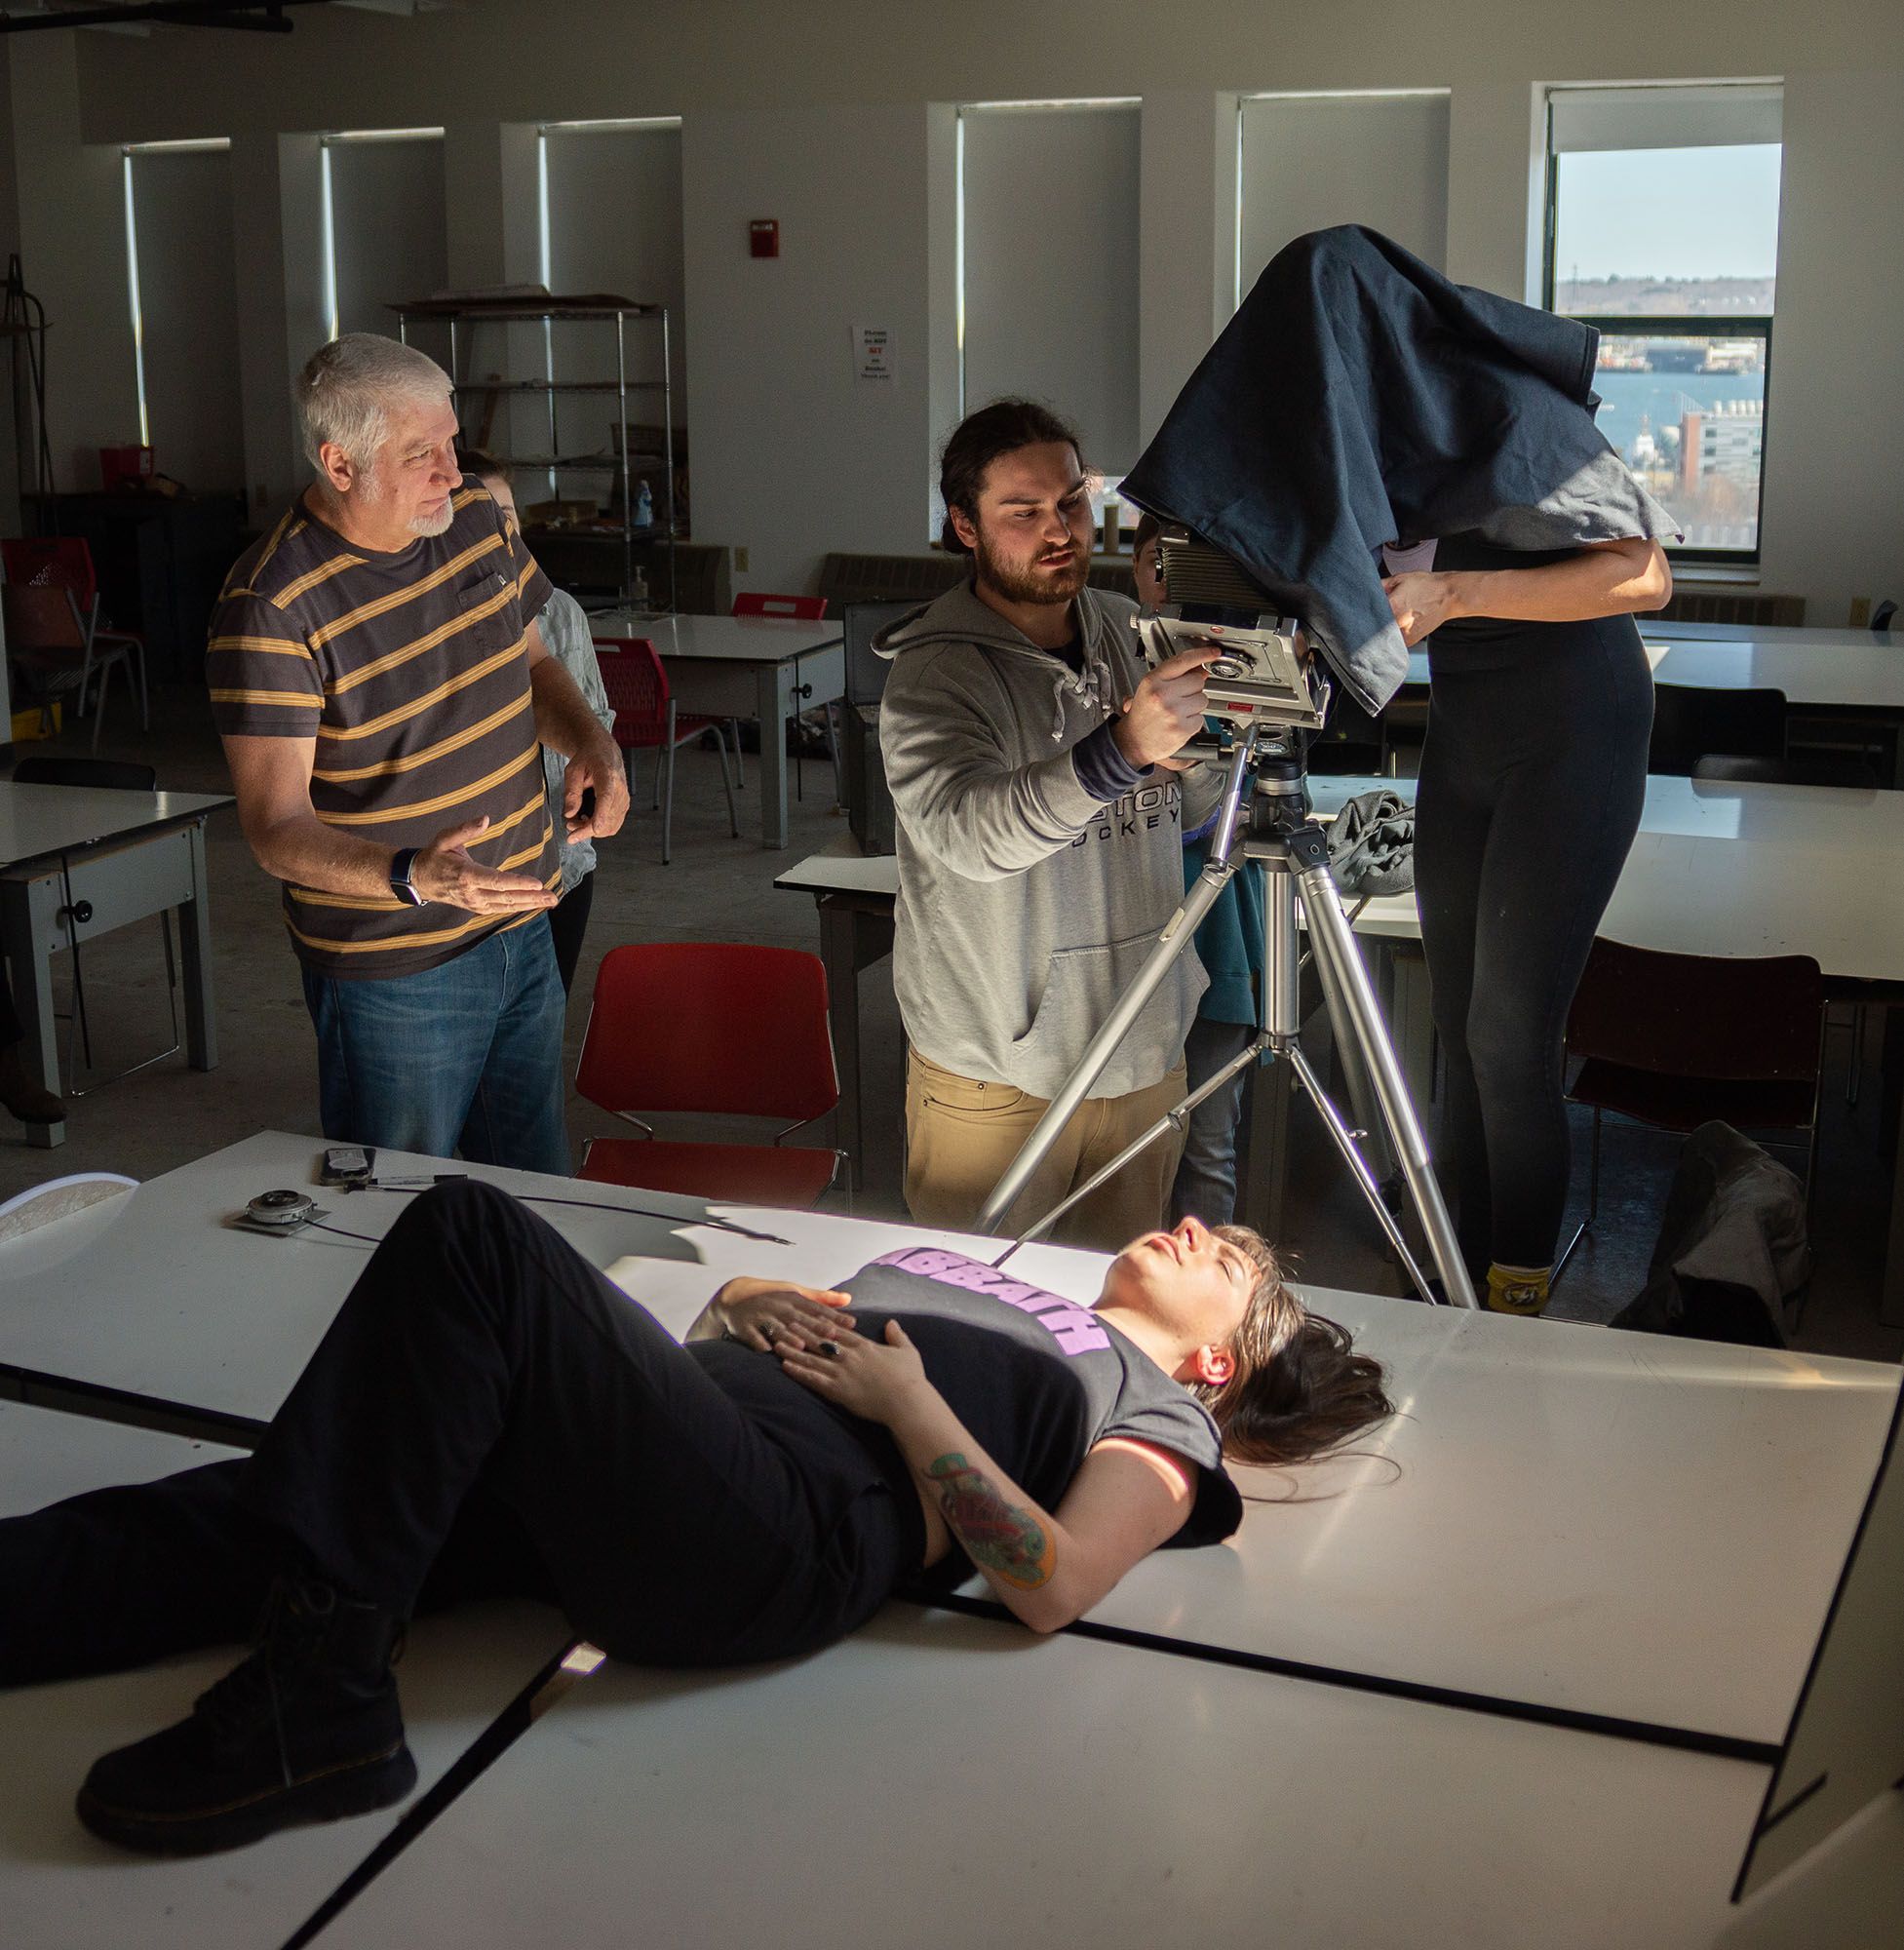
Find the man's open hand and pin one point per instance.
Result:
(445, 872)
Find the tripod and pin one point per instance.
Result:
(1281, 834)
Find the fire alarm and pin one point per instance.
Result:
(763, 237)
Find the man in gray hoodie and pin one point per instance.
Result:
(1041, 817)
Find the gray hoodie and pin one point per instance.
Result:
(1026, 904)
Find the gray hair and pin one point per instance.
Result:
(345, 393)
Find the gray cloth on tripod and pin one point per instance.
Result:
(1732, 1254)
(1359, 398)
(1372, 845)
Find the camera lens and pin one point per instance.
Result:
(1229, 668)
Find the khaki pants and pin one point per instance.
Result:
(961, 1136)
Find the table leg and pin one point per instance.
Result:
(773, 699)
(195, 945)
(27, 921)
(838, 950)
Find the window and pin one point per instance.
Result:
(1307, 162)
(183, 301)
(386, 230)
(1662, 230)
(1048, 264)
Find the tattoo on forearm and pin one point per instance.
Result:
(1000, 1536)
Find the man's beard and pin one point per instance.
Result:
(1030, 585)
(434, 525)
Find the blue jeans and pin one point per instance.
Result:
(1206, 1173)
(465, 1057)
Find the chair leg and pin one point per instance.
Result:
(144, 695)
(726, 784)
(1857, 1056)
(740, 767)
(667, 792)
(833, 746)
(1593, 1202)
(99, 710)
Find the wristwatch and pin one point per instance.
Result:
(403, 865)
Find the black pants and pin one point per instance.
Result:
(1532, 783)
(569, 922)
(488, 1414)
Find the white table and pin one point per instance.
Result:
(64, 1890)
(1861, 673)
(1584, 1522)
(762, 667)
(1795, 635)
(1524, 1551)
(938, 1782)
(76, 862)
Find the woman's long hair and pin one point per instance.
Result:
(1299, 1389)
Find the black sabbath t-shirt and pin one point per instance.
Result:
(1037, 1380)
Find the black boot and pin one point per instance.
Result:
(307, 1728)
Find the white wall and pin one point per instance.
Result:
(793, 455)
(189, 305)
(790, 121)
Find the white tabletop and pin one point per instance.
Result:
(1793, 636)
(937, 1783)
(744, 639)
(64, 1890)
(1861, 671)
(41, 821)
(1509, 1484)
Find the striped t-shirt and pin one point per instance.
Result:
(411, 673)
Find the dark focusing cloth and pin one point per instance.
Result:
(1358, 397)
(411, 673)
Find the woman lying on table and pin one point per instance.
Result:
(489, 1415)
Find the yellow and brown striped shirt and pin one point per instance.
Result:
(411, 673)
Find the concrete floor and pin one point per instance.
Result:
(721, 888)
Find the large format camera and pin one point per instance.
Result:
(1262, 677)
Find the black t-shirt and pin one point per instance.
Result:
(1036, 1379)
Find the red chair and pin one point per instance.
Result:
(647, 720)
(722, 1029)
(60, 644)
(796, 609)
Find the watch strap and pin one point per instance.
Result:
(403, 865)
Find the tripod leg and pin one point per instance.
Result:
(1344, 1138)
(1355, 1072)
(1329, 938)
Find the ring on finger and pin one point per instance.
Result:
(830, 1349)
(770, 1333)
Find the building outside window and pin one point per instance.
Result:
(1662, 230)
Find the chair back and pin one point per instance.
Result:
(724, 1027)
(42, 621)
(637, 683)
(1853, 774)
(1743, 1019)
(866, 669)
(797, 608)
(1690, 724)
(63, 561)
(105, 774)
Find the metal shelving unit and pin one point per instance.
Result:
(599, 309)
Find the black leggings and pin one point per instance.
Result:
(569, 922)
(487, 1415)
(1533, 782)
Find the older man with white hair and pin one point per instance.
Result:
(384, 693)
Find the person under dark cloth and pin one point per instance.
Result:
(489, 1415)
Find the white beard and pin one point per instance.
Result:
(434, 525)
